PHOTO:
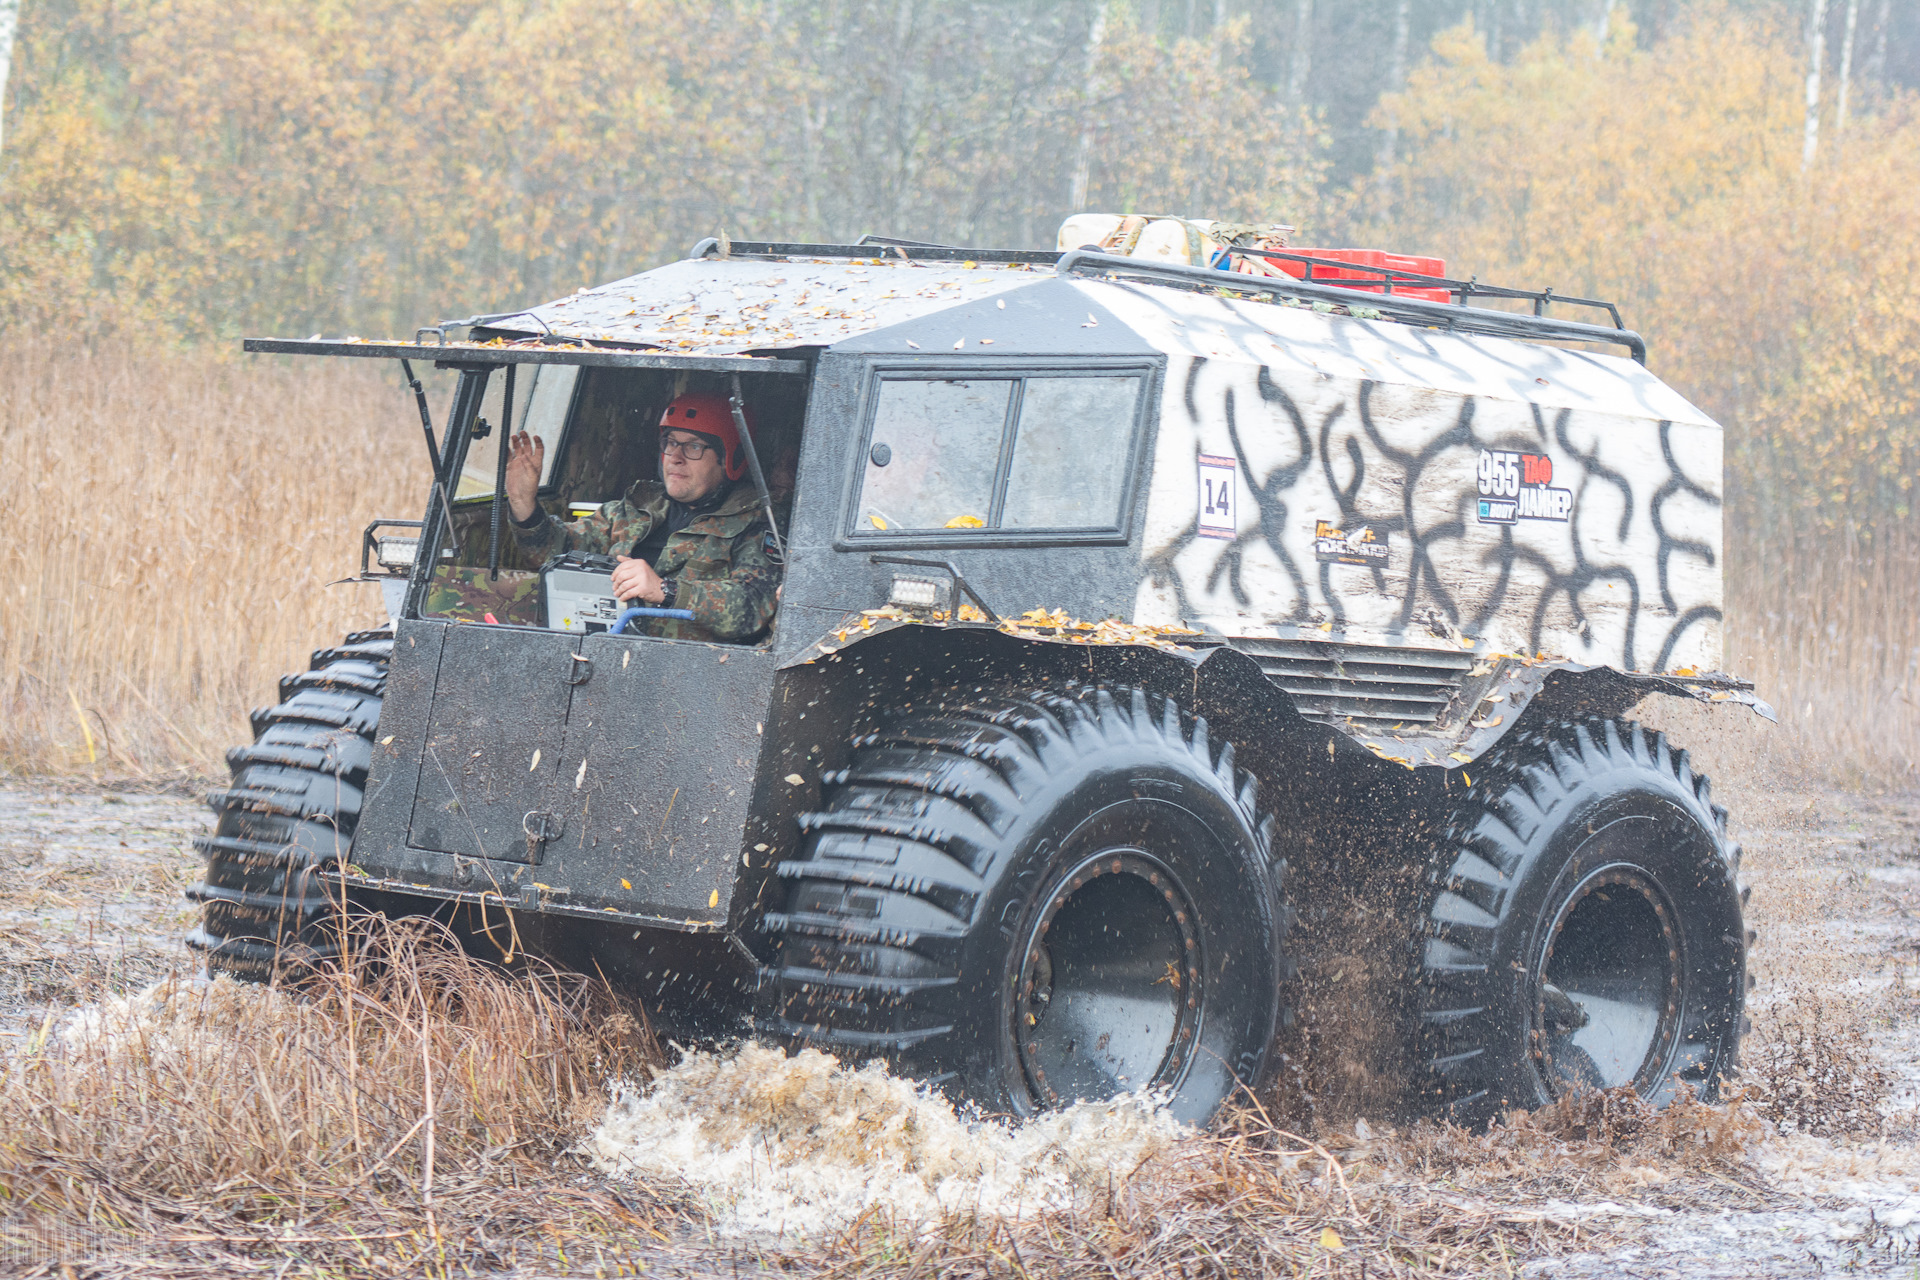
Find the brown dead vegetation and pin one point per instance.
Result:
(203, 1130)
(408, 1113)
(1253, 1199)
(182, 515)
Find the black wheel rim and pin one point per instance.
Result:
(1607, 999)
(1109, 990)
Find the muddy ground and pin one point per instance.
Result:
(91, 880)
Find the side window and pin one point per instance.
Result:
(1070, 455)
(933, 454)
(1028, 453)
(542, 395)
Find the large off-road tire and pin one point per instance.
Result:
(290, 813)
(1038, 898)
(1581, 927)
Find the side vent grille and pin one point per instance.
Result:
(1376, 686)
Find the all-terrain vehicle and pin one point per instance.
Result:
(1163, 653)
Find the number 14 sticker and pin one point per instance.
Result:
(1219, 497)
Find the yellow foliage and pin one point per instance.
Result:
(368, 166)
(1785, 302)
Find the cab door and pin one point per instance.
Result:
(663, 744)
(489, 770)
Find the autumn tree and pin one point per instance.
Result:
(1670, 178)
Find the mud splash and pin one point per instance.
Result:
(798, 1147)
(178, 1014)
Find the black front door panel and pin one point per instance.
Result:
(491, 764)
(657, 775)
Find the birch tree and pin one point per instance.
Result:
(1384, 157)
(1816, 54)
(1300, 61)
(1846, 69)
(1083, 152)
(9, 23)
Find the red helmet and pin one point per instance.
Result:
(710, 414)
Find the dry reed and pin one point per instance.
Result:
(407, 1113)
(1828, 627)
(177, 517)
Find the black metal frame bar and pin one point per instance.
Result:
(1439, 315)
(500, 479)
(738, 404)
(1462, 290)
(474, 356)
(1457, 316)
(426, 414)
(439, 518)
(873, 247)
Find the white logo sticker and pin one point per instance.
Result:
(1519, 486)
(1219, 497)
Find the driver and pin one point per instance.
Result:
(694, 539)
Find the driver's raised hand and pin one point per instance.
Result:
(525, 461)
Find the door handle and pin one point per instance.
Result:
(540, 826)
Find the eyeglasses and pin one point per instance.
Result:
(692, 450)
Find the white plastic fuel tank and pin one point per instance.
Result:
(1179, 240)
(1084, 229)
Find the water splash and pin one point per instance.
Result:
(173, 1015)
(797, 1147)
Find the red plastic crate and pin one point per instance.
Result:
(1367, 281)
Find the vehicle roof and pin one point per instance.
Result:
(713, 306)
(929, 311)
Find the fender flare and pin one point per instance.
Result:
(1219, 681)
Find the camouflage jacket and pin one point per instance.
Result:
(726, 573)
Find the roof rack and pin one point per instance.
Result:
(873, 247)
(1462, 290)
(1456, 318)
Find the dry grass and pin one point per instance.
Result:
(1829, 629)
(176, 518)
(408, 1114)
(1252, 1199)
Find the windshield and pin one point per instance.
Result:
(542, 396)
